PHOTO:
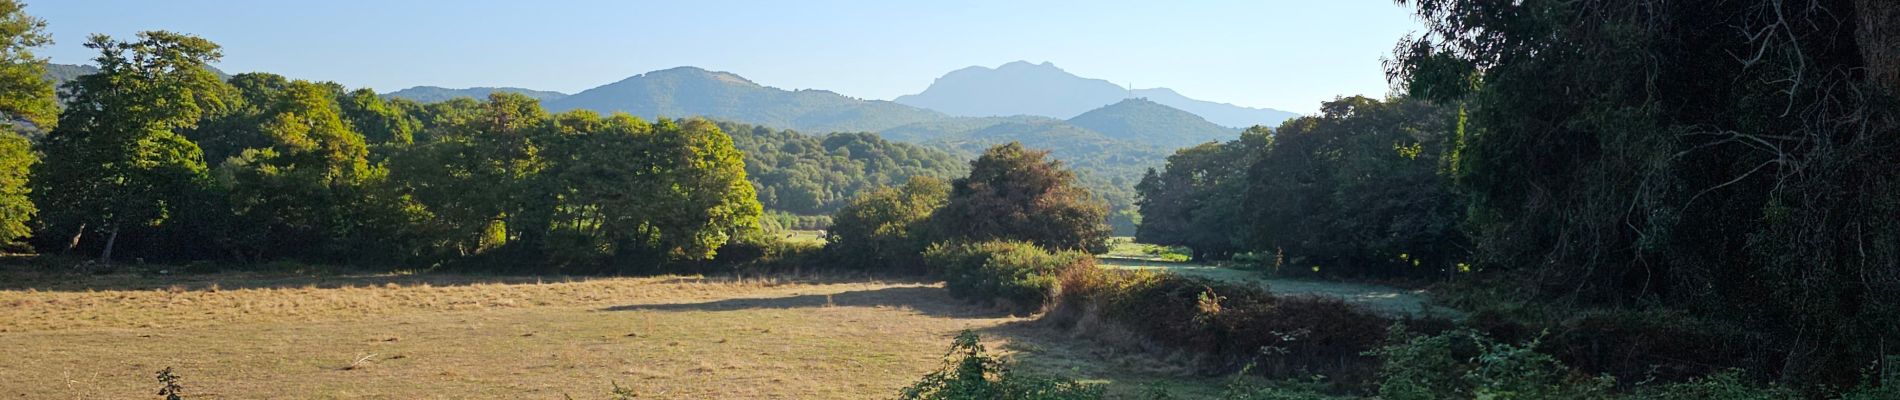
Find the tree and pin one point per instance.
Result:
(1732, 158)
(478, 171)
(294, 195)
(1358, 190)
(1197, 197)
(1013, 193)
(116, 161)
(29, 106)
(885, 227)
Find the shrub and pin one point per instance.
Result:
(1018, 275)
(969, 373)
(1467, 364)
(884, 228)
(1226, 326)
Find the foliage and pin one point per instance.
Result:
(29, 108)
(1721, 157)
(117, 161)
(1195, 200)
(813, 175)
(26, 98)
(1013, 193)
(1225, 326)
(1356, 191)
(1020, 275)
(885, 228)
(970, 373)
(1466, 364)
(169, 386)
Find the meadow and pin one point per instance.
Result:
(341, 335)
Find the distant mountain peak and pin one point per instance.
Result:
(697, 72)
(693, 91)
(1142, 120)
(432, 94)
(1025, 88)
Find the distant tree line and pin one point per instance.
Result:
(155, 157)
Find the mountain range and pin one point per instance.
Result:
(1043, 89)
(1110, 135)
(431, 94)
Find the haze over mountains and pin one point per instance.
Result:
(431, 94)
(1043, 89)
(1107, 133)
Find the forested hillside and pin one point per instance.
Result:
(814, 175)
(693, 92)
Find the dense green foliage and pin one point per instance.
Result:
(1735, 159)
(1227, 326)
(1014, 193)
(1015, 275)
(118, 163)
(887, 228)
(157, 151)
(1359, 190)
(815, 175)
(1700, 183)
(28, 107)
(1196, 199)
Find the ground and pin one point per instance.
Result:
(450, 336)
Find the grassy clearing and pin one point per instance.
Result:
(1383, 299)
(449, 336)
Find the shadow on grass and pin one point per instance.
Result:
(159, 277)
(928, 300)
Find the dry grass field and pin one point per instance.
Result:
(241, 336)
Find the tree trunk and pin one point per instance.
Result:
(1878, 34)
(111, 239)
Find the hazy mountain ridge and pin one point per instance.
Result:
(1142, 120)
(1043, 89)
(432, 94)
(691, 91)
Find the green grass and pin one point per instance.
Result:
(1383, 299)
(1126, 247)
(813, 237)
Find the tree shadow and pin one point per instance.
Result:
(15, 277)
(928, 300)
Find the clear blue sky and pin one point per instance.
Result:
(1286, 54)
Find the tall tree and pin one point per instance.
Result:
(1358, 190)
(1197, 197)
(117, 161)
(1015, 193)
(294, 194)
(29, 107)
(1736, 158)
(478, 170)
(885, 227)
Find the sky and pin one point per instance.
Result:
(1284, 54)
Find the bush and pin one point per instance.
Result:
(884, 228)
(1466, 364)
(1017, 275)
(969, 373)
(1226, 326)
